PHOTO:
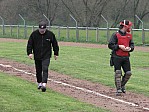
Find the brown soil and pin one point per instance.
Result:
(113, 103)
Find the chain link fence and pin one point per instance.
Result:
(74, 34)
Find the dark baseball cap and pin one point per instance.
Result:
(42, 25)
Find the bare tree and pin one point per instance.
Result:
(94, 10)
(69, 4)
(48, 7)
(119, 11)
(124, 9)
(86, 12)
(39, 7)
(141, 8)
(9, 10)
(136, 3)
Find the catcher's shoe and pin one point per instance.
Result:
(39, 85)
(43, 88)
(118, 92)
(123, 89)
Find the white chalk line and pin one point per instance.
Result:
(79, 88)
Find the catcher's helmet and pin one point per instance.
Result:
(127, 24)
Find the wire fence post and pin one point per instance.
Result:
(67, 32)
(49, 23)
(77, 31)
(10, 30)
(18, 31)
(107, 27)
(25, 28)
(3, 26)
(59, 32)
(87, 34)
(143, 32)
(32, 28)
(97, 34)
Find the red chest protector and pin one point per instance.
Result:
(123, 40)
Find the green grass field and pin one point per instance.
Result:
(17, 95)
(84, 63)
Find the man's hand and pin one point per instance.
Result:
(122, 47)
(30, 56)
(127, 49)
(55, 57)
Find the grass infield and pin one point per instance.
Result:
(87, 63)
(18, 95)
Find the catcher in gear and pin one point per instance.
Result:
(121, 44)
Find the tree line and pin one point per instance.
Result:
(86, 12)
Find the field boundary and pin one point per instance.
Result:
(79, 88)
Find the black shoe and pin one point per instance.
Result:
(118, 93)
(123, 89)
(43, 88)
(39, 87)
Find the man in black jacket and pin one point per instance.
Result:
(40, 45)
(121, 44)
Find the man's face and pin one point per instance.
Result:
(42, 31)
(127, 29)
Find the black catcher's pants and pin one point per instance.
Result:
(123, 62)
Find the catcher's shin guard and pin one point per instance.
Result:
(118, 74)
(126, 77)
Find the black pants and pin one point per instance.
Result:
(121, 62)
(42, 70)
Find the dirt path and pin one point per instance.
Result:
(92, 93)
(137, 48)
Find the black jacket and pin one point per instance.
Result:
(113, 43)
(41, 45)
